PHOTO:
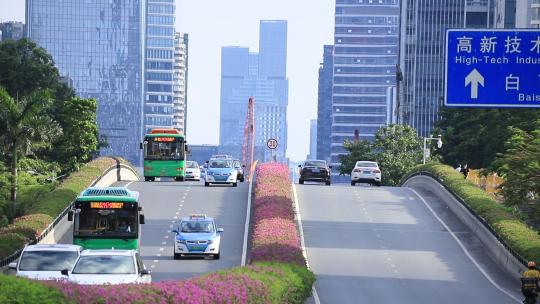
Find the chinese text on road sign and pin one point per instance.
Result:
(492, 68)
(272, 143)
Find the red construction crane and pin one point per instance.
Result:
(249, 138)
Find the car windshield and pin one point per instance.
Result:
(47, 260)
(314, 163)
(366, 164)
(215, 164)
(192, 164)
(197, 227)
(105, 264)
(237, 164)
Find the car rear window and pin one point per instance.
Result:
(47, 260)
(315, 164)
(105, 264)
(366, 164)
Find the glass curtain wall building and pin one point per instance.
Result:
(324, 105)
(366, 44)
(180, 81)
(12, 30)
(263, 76)
(160, 35)
(99, 46)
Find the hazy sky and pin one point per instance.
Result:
(216, 23)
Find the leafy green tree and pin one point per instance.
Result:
(26, 68)
(397, 149)
(476, 136)
(24, 126)
(520, 166)
(358, 150)
(80, 139)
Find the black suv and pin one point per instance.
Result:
(315, 170)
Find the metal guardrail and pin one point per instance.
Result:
(522, 260)
(9, 259)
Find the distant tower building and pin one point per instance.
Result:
(505, 14)
(160, 36)
(180, 78)
(366, 43)
(99, 45)
(12, 30)
(260, 75)
(527, 14)
(324, 105)
(312, 139)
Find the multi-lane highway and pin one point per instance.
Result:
(165, 203)
(384, 245)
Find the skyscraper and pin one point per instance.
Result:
(324, 104)
(12, 30)
(263, 76)
(422, 58)
(312, 139)
(528, 13)
(160, 37)
(180, 81)
(365, 56)
(99, 45)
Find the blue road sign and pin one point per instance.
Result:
(492, 68)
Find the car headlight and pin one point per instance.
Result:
(210, 242)
(181, 241)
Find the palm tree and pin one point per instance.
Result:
(24, 126)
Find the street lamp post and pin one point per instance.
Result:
(439, 144)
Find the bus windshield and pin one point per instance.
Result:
(164, 148)
(106, 223)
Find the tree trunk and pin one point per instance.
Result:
(14, 162)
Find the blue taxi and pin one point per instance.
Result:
(197, 235)
(221, 171)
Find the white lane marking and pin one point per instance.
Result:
(181, 205)
(172, 222)
(177, 213)
(163, 243)
(486, 275)
(175, 217)
(166, 236)
(153, 266)
(170, 226)
(159, 254)
(127, 185)
(303, 242)
(156, 261)
(161, 249)
(246, 226)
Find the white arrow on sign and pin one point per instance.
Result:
(474, 79)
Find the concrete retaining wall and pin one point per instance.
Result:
(496, 250)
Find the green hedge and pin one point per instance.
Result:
(11, 242)
(18, 290)
(521, 238)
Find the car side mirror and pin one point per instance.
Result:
(174, 231)
(12, 265)
(145, 272)
(243, 166)
(141, 218)
(70, 216)
(330, 167)
(64, 272)
(186, 148)
(220, 230)
(139, 208)
(299, 166)
(141, 145)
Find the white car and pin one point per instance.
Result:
(95, 267)
(366, 172)
(221, 171)
(193, 172)
(45, 261)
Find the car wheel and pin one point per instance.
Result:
(378, 184)
(177, 256)
(234, 184)
(152, 179)
(353, 183)
(206, 184)
(146, 179)
(301, 181)
(179, 178)
(328, 183)
(216, 256)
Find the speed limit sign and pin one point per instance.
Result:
(272, 143)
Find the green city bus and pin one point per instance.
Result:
(106, 218)
(164, 154)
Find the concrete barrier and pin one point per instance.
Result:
(496, 250)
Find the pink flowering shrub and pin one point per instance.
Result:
(275, 235)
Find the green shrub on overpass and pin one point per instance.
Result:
(524, 240)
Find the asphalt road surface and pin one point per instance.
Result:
(383, 245)
(165, 203)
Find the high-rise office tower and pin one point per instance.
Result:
(260, 75)
(528, 13)
(324, 104)
(160, 35)
(312, 139)
(366, 44)
(99, 46)
(505, 14)
(180, 81)
(12, 30)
